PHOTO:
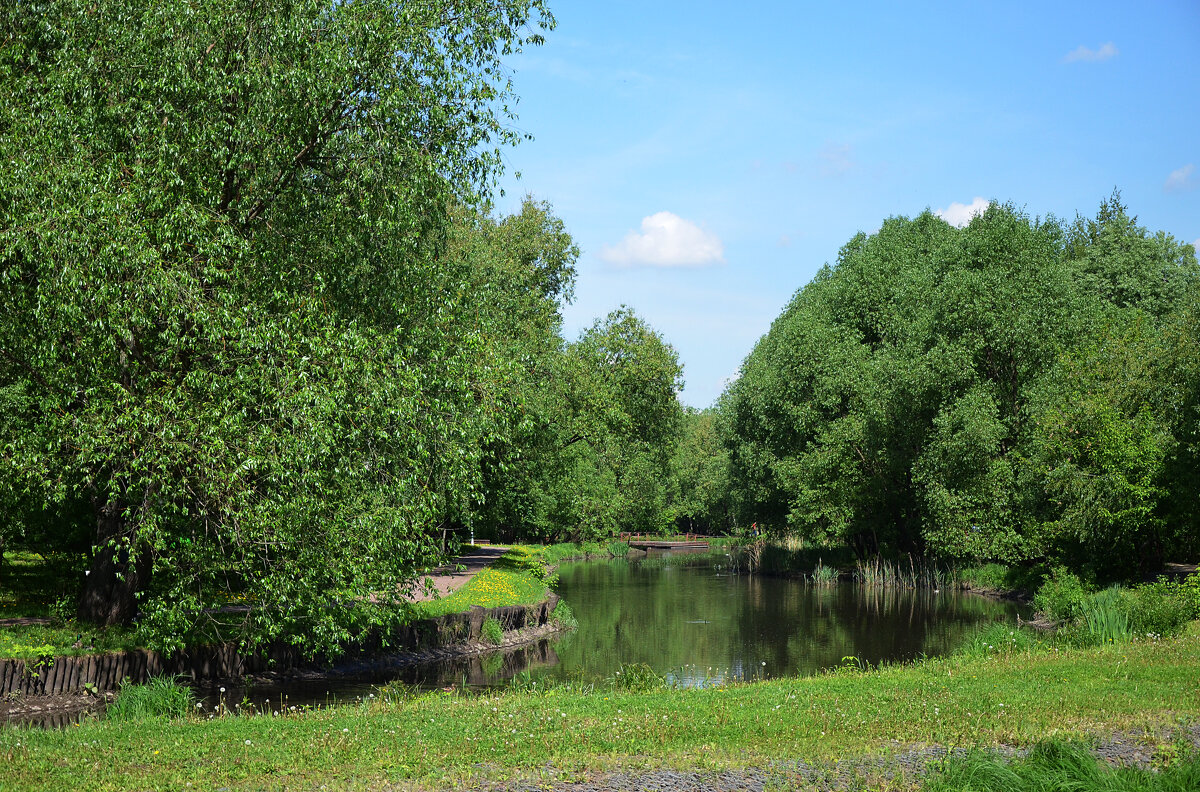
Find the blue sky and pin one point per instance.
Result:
(708, 158)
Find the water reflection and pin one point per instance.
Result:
(689, 619)
(676, 618)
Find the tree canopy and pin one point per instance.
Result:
(230, 313)
(1016, 389)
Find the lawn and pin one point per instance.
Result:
(1013, 697)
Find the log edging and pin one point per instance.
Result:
(100, 673)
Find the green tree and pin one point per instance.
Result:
(225, 294)
(973, 392)
(699, 484)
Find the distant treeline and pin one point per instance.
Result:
(1019, 389)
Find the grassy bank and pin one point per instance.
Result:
(519, 577)
(1011, 696)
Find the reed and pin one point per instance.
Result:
(1105, 620)
(823, 575)
(917, 573)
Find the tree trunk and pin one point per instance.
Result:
(109, 588)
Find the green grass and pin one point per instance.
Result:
(440, 740)
(157, 698)
(1056, 765)
(33, 587)
(519, 577)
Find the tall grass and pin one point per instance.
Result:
(917, 573)
(1105, 618)
(823, 575)
(618, 549)
(158, 697)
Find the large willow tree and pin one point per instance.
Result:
(227, 311)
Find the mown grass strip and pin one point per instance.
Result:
(1017, 698)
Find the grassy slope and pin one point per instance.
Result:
(518, 577)
(1014, 698)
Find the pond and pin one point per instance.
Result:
(687, 617)
(695, 621)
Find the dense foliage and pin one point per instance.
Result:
(264, 354)
(1012, 390)
(590, 456)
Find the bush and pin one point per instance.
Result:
(1062, 596)
(492, 632)
(159, 697)
(1160, 608)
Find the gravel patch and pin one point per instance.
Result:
(899, 767)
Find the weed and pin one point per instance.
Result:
(563, 616)
(998, 639)
(1105, 618)
(618, 549)
(823, 575)
(1062, 596)
(492, 632)
(636, 677)
(1056, 765)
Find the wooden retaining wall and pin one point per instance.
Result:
(100, 673)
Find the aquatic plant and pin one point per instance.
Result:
(823, 575)
(563, 616)
(618, 549)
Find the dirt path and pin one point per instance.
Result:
(446, 579)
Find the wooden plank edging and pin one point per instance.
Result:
(65, 674)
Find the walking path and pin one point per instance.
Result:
(446, 578)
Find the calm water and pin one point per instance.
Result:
(697, 623)
(694, 624)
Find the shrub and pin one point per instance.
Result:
(492, 632)
(159, 697)
(1062, 595)
(1161, 608)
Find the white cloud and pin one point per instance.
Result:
(959, 215)
(1181, 179)
(836, 159)
(666, 240)
(1087, 55)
